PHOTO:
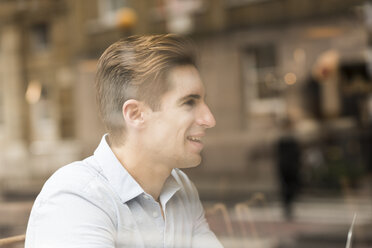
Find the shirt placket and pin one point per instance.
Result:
(153, 210)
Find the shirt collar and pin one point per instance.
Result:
(121, 181)
(171, 186)
(118, 177)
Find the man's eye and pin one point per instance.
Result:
(190, 102)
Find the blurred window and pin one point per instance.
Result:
(179, 14)
(39, 37)
(108, 8)
(262, 63)
(262, 81)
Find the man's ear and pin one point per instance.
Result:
(133, 113)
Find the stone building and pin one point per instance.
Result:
(255, 56)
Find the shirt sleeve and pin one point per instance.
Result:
(202, 235)
(69, 219)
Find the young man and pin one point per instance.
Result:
(131, 193)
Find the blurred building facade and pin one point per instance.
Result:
(256, 58)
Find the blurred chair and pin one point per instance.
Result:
(247, 222)
(12, 241)
(219, 220)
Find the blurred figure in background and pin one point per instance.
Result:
(288, 165)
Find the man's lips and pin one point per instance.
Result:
(196, 137)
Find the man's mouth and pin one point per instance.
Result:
(195, 139)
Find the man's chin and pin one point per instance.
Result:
(193, 161)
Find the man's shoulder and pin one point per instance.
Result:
(75, 174)
(79, 177)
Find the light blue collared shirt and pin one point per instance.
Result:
(97, 203)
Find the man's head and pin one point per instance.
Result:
(173, 135)
(137, 68)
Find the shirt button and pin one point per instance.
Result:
(155, 214)
(146, 197)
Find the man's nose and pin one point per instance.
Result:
(206, 117)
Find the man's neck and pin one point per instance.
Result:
(149, 175)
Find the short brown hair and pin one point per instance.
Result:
(135, 68)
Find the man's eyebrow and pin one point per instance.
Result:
(193, 96)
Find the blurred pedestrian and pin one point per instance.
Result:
(288, 165)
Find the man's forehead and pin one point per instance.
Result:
(184, 72)
(186, 81)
